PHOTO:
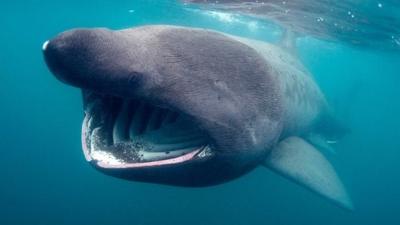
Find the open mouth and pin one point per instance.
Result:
(130, 133)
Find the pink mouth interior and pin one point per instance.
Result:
(171, 161)
(120, 133)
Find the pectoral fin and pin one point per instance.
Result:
(299, 161)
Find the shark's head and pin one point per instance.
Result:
(167, 104)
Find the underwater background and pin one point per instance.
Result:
(46, 180)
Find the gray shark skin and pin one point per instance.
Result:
(193, 107)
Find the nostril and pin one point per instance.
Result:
(45, 44)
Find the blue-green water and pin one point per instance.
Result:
(45, 179)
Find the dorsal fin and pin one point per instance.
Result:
(288, 41)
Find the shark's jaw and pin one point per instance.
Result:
(123, 133)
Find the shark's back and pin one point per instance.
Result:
(303, 100)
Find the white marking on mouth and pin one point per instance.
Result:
(171, 161)
(45, 44)
(106, 158)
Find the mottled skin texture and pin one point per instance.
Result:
(303, 101)
(246, 95)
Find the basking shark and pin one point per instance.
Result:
(195, 107)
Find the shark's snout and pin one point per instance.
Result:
(82, 57)
(54, 58)
(44, 46)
